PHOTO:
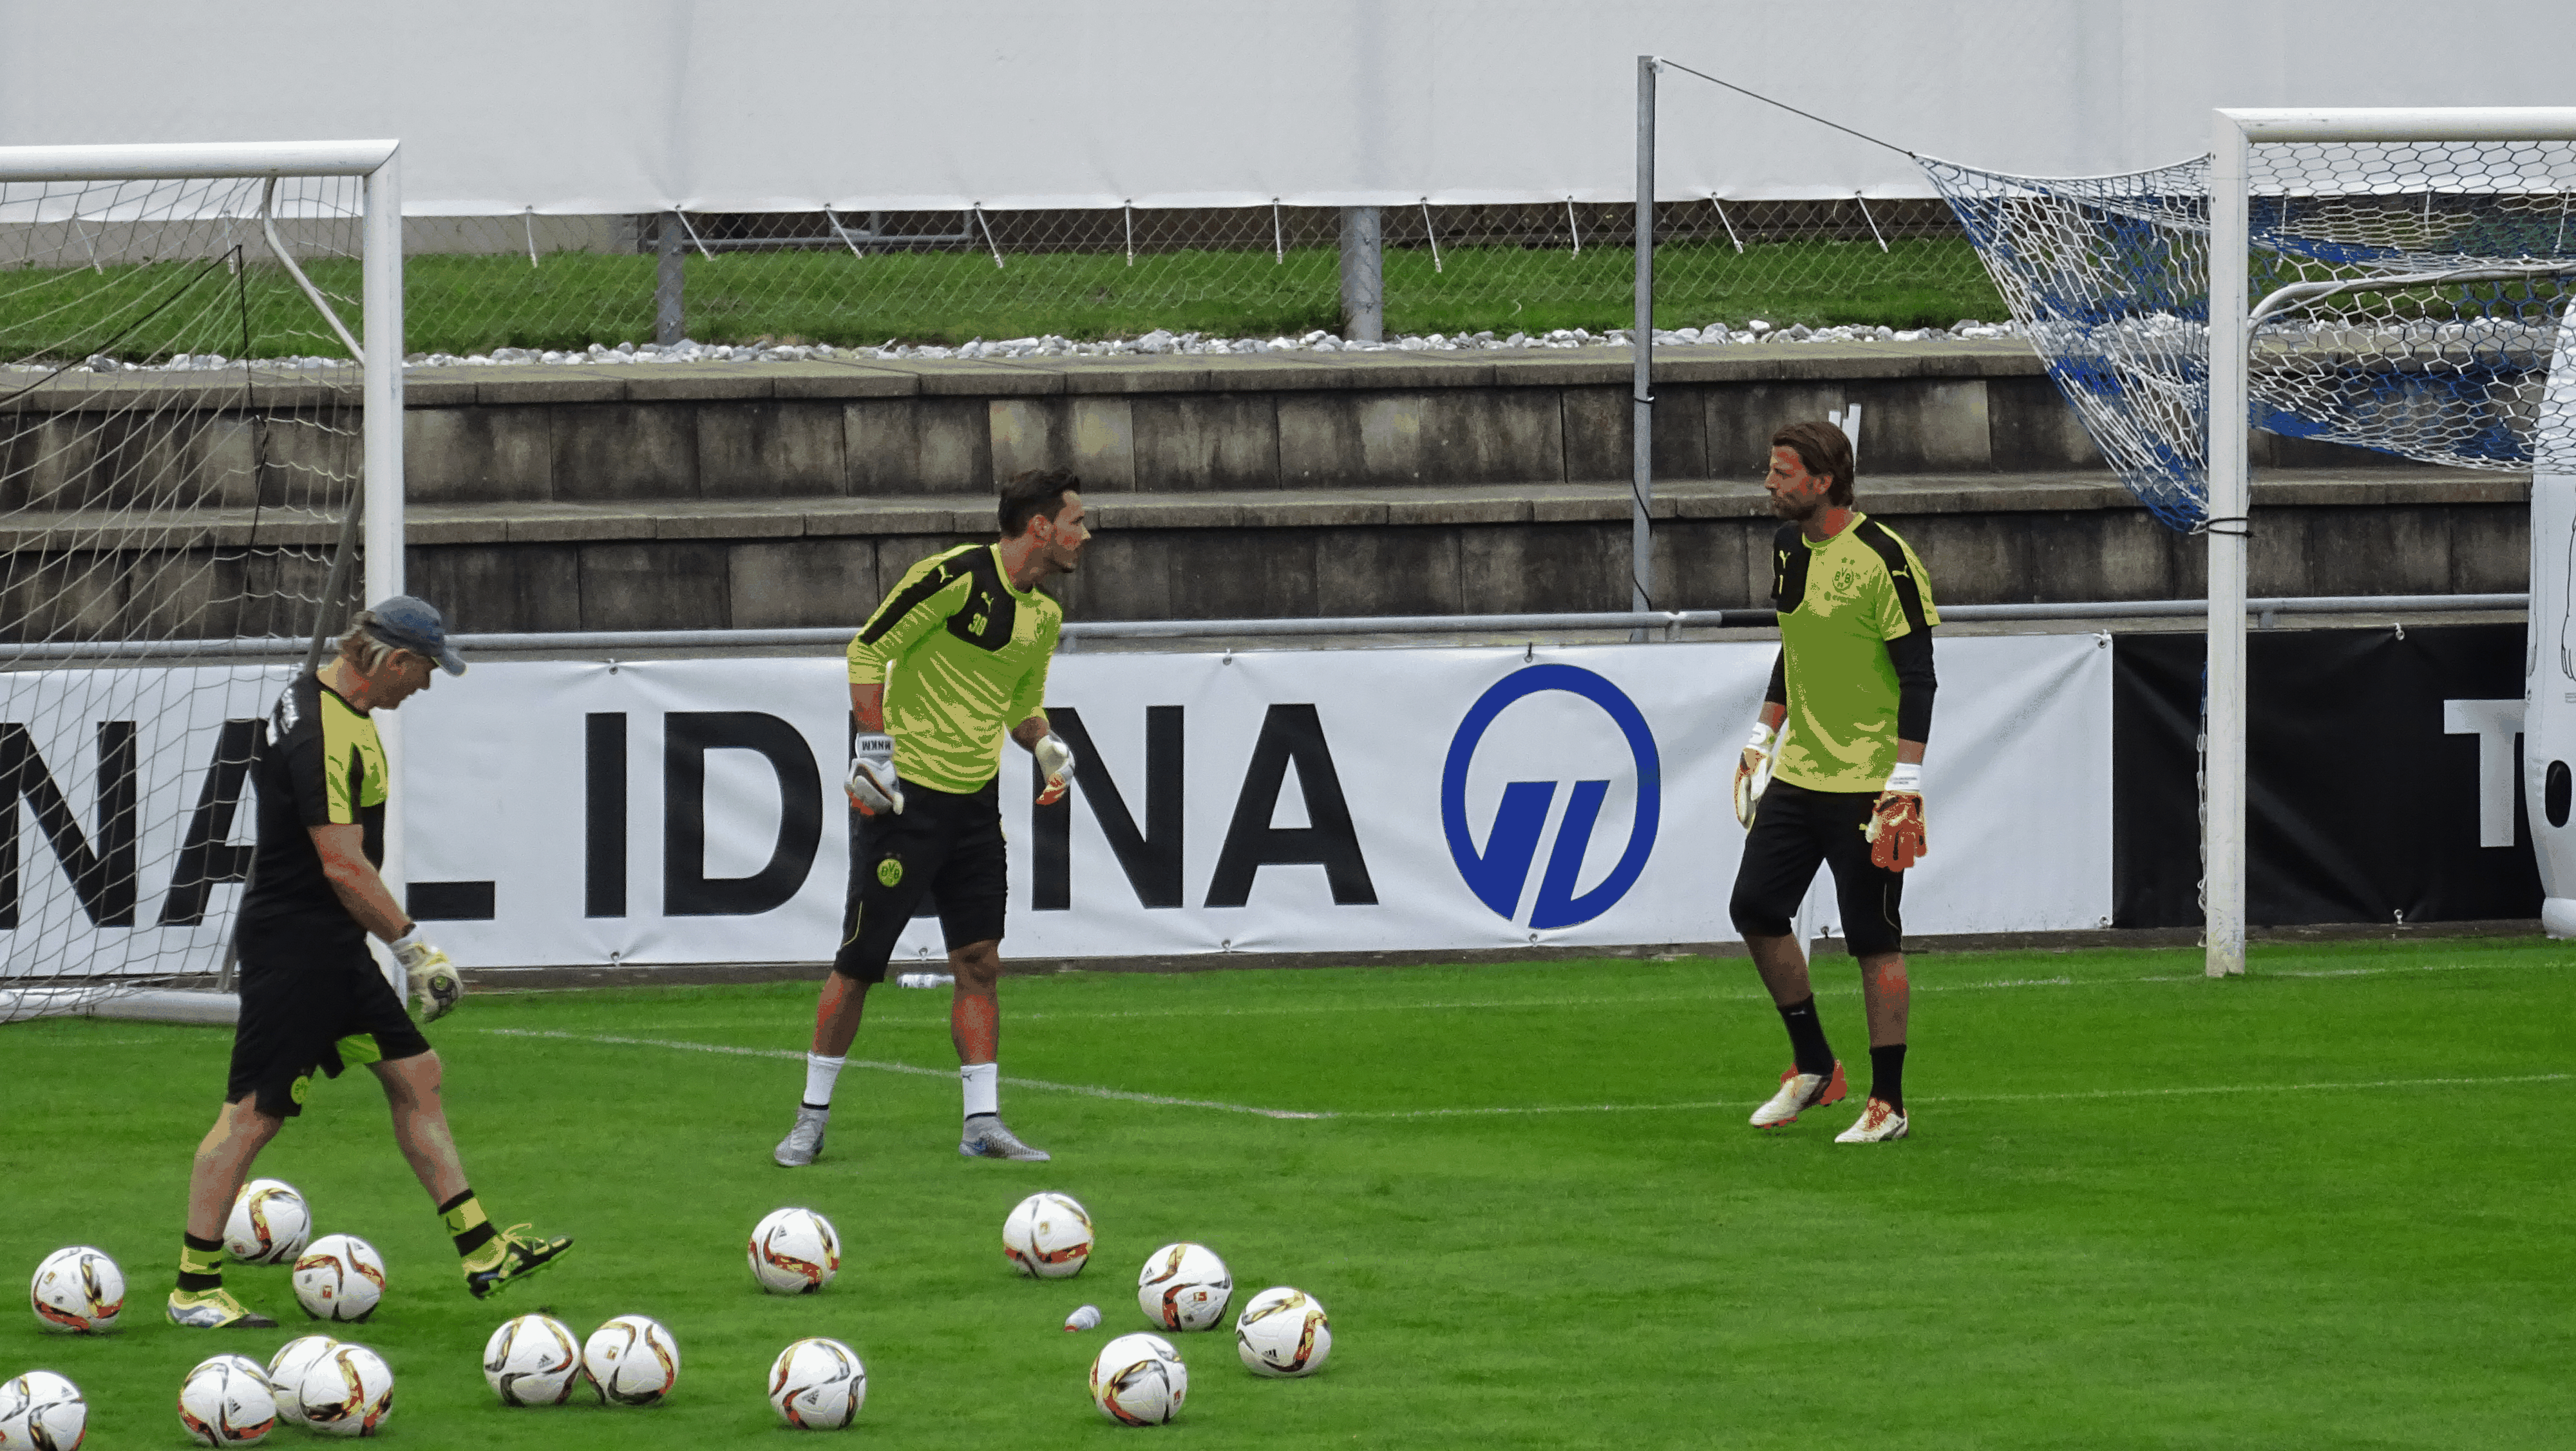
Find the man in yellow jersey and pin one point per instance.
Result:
(312, 999)
(1833, 772)
(954, 659)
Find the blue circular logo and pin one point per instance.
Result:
(1499, 872)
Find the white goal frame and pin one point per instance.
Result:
(2233, 132)
(379, 165)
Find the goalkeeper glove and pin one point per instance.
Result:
(1753, 772)
(1895, 827)
(429, 974)
(873, 785)
(1055, 758)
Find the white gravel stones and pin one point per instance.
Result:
(1159, 342)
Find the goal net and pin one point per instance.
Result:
(183, 448)
(2389, 280)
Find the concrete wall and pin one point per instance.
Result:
(792, 494)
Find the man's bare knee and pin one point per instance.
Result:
(977, 966)
(409, 1082)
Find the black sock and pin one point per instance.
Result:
(201, 1264)
(466, 1224)
(1887, 1075)
(1807, 1038)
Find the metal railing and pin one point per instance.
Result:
(1655, 624)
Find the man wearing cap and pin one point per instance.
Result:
(312, 1000)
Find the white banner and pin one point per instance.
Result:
(566, 813)
(584, 106)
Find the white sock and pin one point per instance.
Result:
(820, 1074)
(983, 1083)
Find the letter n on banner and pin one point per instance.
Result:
(1291, 733)
(1151, 858)
(687, 736)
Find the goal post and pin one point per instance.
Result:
(190, 421)
(2471, 152)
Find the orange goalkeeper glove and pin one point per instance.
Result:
(1895, 829)
(1055, 762)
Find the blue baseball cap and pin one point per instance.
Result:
(416, 625)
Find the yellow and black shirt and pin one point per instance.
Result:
(320, 764)
(967, 659)
(1855, 668)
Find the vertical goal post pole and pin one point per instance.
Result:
(2233, 133)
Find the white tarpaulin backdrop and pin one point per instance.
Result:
(582, 106)
(1287, 801)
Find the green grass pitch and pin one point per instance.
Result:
(2322, 1206)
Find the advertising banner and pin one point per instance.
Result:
(573, 812)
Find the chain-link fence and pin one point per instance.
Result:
(475, 285)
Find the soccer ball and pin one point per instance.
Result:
(340, 1278)
(1184, 1287)
(1283, 1332)
(532, 1361)
(1138, 1380)
(1048, 1236)
(270, 1223)
(632, 1359)
(347, 1391)
(43, 1410)
(77, 1289)
(286, 1372)
(794, 1252)
(818, 1384)
(226, 1401)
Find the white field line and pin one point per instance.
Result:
(1086, 1090)
(1167, 1101)
(1745, 996)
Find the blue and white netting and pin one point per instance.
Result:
(2109, 276)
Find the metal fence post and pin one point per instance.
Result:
(1641, 478)
(670, 317)
(1363, 277)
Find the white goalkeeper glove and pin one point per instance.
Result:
(873, 785)
(1055, 759)
(433, 979)
(1753, 771)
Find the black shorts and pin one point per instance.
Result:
(317, 1013)
(941, 848)
(1795, 830)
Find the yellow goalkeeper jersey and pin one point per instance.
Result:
(1841, 601)
(963, 657)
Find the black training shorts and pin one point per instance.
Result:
(1795, 830)
(942, 844)
(319, 1012)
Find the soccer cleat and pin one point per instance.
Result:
(1878, 1124)
(508, 1258)
(214, 1310)
(987, 1138)
(1798, 1093)
(805, 1141)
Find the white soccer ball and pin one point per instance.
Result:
(533, 1361)
(270, 1223)
(633, 1360)
(1283, 1332)
(794, 1252)
(77, 1289)
(286, 1373)
(1138, 1380)
(226, 1401)
(347, 1391)
(341, 1277)
(818, 1384)
(43, 1410)
(1184, 1287)
(1048, 1236)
